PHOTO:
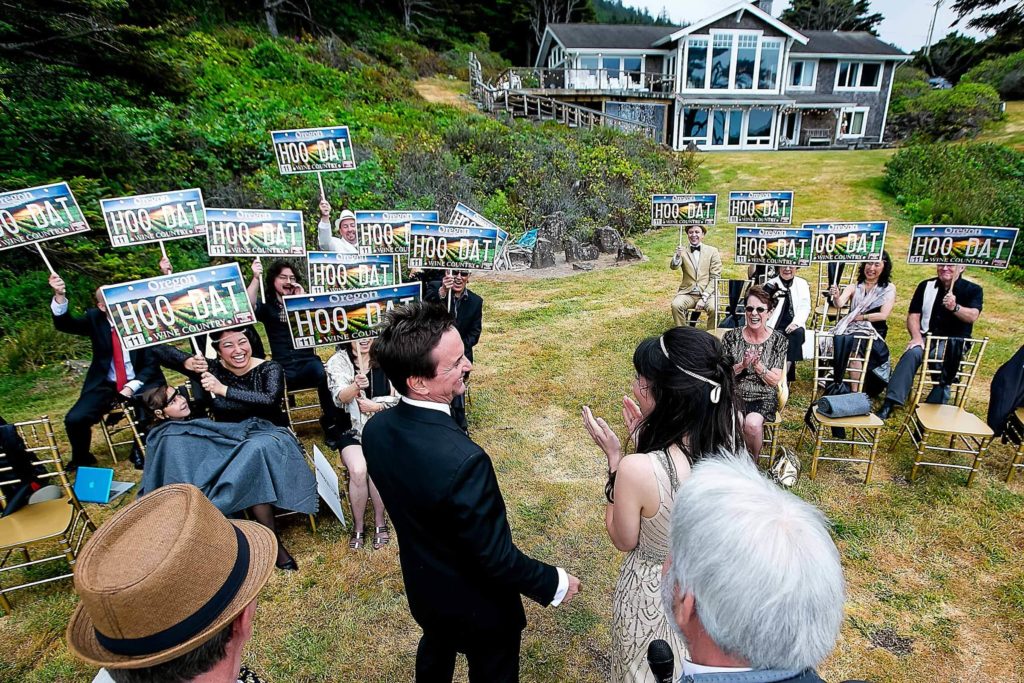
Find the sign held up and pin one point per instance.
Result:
(773, 246)
(847, 242)
(37, 214)
(452, 247)
(330, 271)
(962, 245)
(387, 232)
(163, 309)
(254, 232)
(683, 209)
(773, 206)
(146, 218)
(340, 317)
(463, 215)
(313, 150)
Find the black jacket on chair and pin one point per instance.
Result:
(463, 573)
(94, 325)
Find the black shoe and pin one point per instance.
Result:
(289, 566)
(74, 464)
(136, 458)
(886, 410)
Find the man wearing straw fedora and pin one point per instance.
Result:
(168, 591)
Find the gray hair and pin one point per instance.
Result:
(763, 570)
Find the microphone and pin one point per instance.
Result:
(659, 658)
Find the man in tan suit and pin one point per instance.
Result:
(701, 265)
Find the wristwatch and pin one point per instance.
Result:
(957, 309)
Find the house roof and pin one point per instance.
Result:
(610, 36)
(756, 11)
(846, 43)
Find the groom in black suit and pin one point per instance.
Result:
(463, 574)
(113, 375)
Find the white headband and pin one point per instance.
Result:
(716, 388)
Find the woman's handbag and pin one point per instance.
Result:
(785, 468)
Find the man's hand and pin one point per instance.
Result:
(197, 364)
(165, 266)
(447, 282)
(679, 252)
(574, 588)
(949, 301)
(325, 208)
(127, 392)
(699, 306)
(914, 342)
(58, 287)
(213, 385)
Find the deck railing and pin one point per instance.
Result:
(618, 80)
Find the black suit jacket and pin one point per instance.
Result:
(94, 325)
(469, 315)
(463, 574)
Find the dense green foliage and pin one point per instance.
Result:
(112, 136)
(832, 15)
(614, 12)
(925, 115)
(951, 56)
(1005, 74)
(970, 184)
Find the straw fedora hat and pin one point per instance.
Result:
(163, 576)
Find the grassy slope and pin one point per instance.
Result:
(935, 571)
(1010, 131)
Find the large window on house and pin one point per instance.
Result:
(759, 127)
(721, 60)
(858, 76)
(746, 55)
(696, 62)
(803, 74)
(695, 126)
(771, 52)
(634, 65)
(853, 122)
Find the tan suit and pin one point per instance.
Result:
(698, 283)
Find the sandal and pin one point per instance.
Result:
(356, 540)
(381, 537)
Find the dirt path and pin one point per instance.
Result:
(442, 90)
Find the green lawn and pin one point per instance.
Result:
(935, 570)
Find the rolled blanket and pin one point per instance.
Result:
(844, 405)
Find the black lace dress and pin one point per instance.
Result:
(257, 393)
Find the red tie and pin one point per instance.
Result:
(120, 373)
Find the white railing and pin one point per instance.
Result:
(619, 80)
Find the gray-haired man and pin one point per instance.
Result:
(753, 579)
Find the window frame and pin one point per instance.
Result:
(852, 112)
(814, 77)
(735, 35)
(857, 87)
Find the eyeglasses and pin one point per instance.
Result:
(174, 395)
(463, 273)
(758, 309)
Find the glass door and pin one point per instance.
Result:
(727, 128)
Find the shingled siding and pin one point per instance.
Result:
(748, 22)
(876, 100)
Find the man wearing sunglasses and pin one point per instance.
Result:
(468, 309)
(701, 266)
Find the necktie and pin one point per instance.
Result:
(120, 373)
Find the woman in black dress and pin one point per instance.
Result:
(239, 385)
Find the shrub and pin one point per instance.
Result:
(946, 114)
(970, 184)
(1002, 73)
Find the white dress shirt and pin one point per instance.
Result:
(563, 576)
(129, 371)
(691, 669)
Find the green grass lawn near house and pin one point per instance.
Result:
(935, 570)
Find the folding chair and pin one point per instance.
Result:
(843, 274)
(1015, 434)
(730, 298)
(113, 429)
(858, 430)
(771, 429)
(61, 519)
(299, 409)
(962, 432)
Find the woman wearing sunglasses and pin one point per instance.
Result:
(758, 355)
(247, 465)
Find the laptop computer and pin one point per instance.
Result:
(97, 485)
